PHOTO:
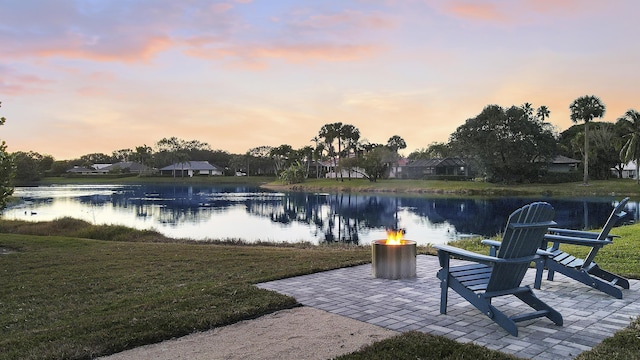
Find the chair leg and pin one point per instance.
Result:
(503, 320)
(443, 275)
(539, 269)
(550, 274)
(444, 292)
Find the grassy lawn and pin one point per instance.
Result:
(616, 187)
(71, 290)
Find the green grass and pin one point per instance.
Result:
(67, 297)
(615, 187)
(71, 298)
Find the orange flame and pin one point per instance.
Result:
(394, 237)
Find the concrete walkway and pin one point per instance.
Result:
(413, 304)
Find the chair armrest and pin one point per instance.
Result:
(489, 242)
(576, 240)
(577, 233)
(495, 245)
(483, 259)
(543, 253)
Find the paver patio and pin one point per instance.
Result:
(414, 304)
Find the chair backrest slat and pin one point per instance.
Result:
(617, 214)
(522, 237)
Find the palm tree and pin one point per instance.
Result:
(631, 149)
(396, 143)
(351, 136)
(528, 109)
(315, 154)
(331, 132)
(543, 113)
(586, 108)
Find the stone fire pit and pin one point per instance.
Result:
(393, 261)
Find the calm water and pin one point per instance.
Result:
(251, 214)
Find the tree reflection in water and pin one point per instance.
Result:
(343, 217)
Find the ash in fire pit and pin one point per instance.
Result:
(393, 258)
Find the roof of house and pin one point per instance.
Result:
(560, 159)
(80, 169)
(192, 165)
(131, 165)
(437, 162)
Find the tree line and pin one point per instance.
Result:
(516, 144)
(511, 145)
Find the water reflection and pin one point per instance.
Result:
(251, 214)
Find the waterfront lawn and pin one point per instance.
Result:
(76, 298)
(612, 187)
(72, 298)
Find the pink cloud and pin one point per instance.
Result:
(479, 11)
(255, 57)
(503, 12)
(355, 20)
(14, 83)
(106, 31)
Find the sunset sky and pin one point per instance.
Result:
(89, 76)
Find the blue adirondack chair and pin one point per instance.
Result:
(501, 275)
(584, 270)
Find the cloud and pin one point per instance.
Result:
(257, 56)
(13, 82)
(518, 13)
(131, 32)
(105, 30)
(476, 11)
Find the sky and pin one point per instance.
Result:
(94, 76)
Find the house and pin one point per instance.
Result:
(628, 171)
(396, 170)
(329, 169)
(127, 166)
(81, 170)
(563, 164)
(424, 168)
(191, 168)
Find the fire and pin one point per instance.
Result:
(394, 237)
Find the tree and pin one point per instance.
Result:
(304, 156)
(143, 154)
(508, 144)
(329, 133)
(122, 155)
(528, 109)
(435, 150)
(351, 136)
(630, 122)
(260, 160)
(396, 143)
(7, 171)
(89, 160)
(30, 166)
(281, 157)
(586, 108)
(543, 113)
(375, 163)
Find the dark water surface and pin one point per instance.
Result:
(249, 213)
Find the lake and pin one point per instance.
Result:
(252, 214)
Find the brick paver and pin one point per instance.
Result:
(414, 304)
